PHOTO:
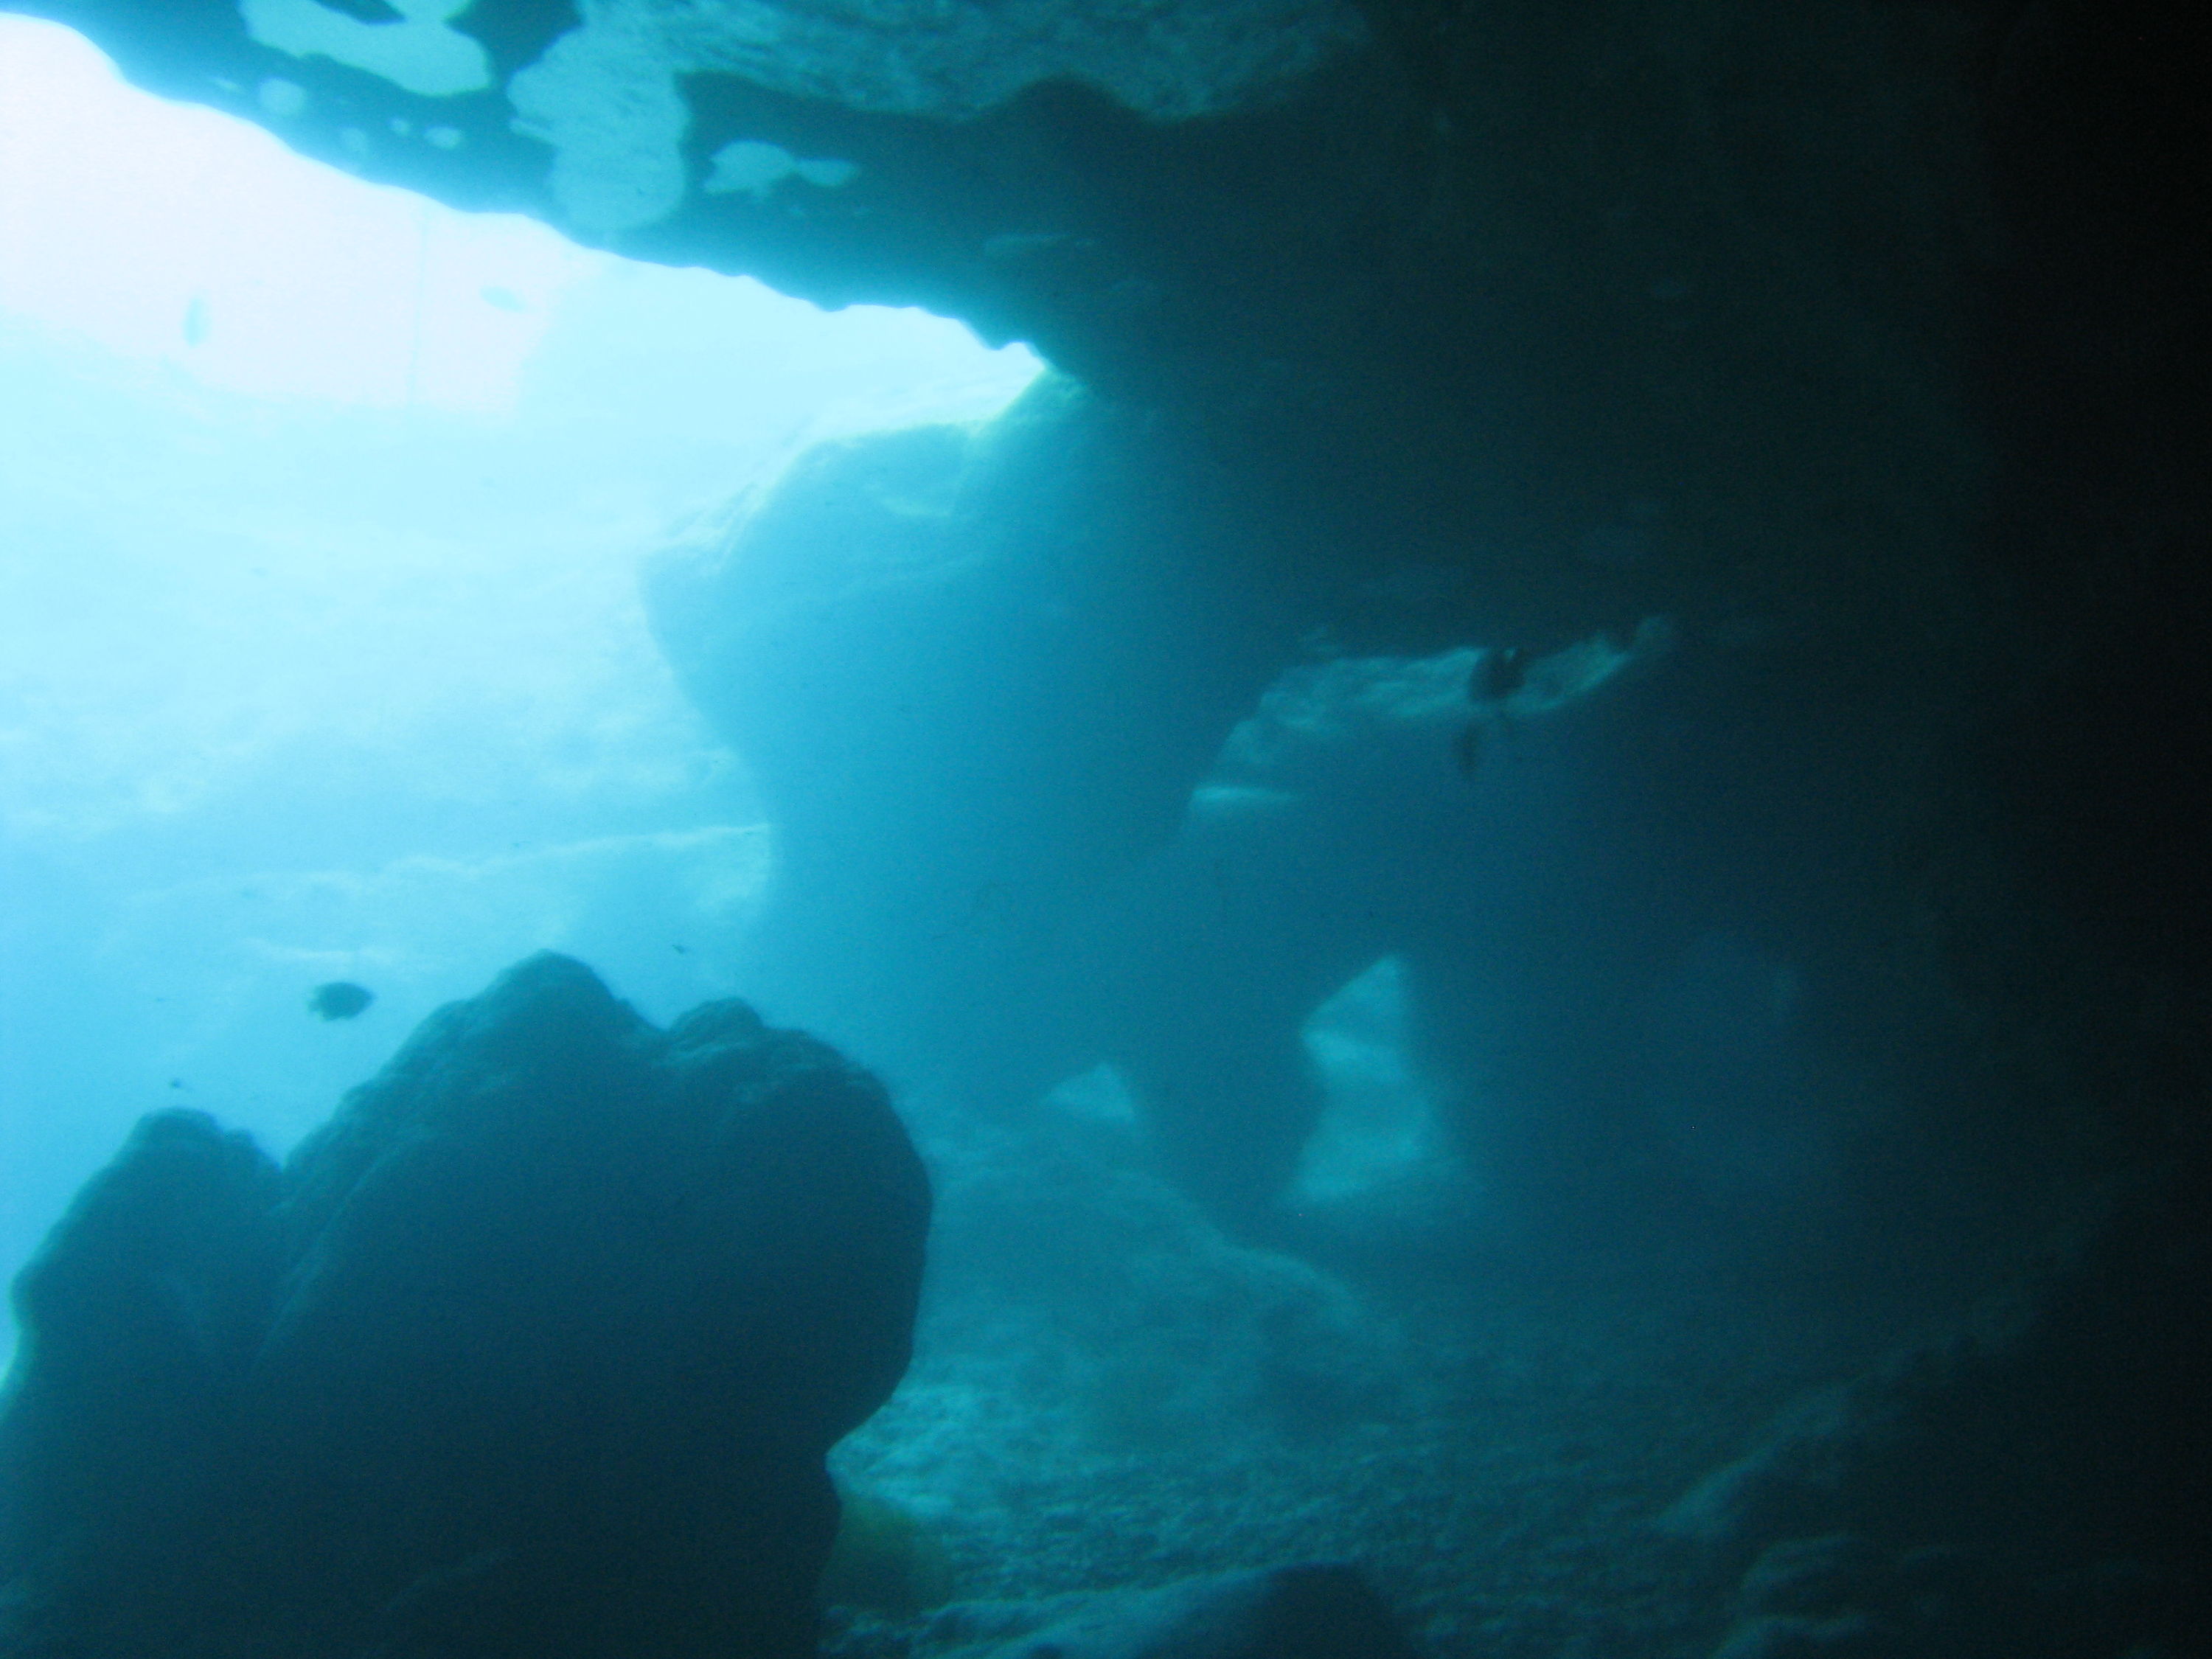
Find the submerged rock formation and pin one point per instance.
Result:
(1866, 340)
(1873, 329)
(537, 1348)
(988, 684)
(2033, 1485)
(975, 678)
(1314, 1610)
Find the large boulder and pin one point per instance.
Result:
(537, 1348)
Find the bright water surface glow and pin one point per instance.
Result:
(320, 653)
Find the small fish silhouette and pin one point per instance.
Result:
(1466, 748)
(339, 999)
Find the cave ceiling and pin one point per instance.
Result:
(1545, 316)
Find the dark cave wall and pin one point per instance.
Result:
(2040, 1487)
(2089, 369)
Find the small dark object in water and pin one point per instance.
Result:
(1498, 672)
(339, 999)
(1467, 749)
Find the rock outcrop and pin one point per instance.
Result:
(975, 676)
(989, 685)
(2034, 1485)
(1311, 1611)
(537, 1348)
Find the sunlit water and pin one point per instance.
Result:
(320, 654)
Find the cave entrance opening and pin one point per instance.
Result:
(321, 655)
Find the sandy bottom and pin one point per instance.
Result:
(1109, 1393)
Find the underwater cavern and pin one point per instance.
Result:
(1482, 931)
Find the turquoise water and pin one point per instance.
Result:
(320, 650)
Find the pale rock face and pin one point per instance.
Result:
(757, 168)
(424, 53)
(606, 97)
